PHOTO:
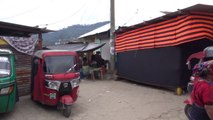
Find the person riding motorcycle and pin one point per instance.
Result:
(202, 93)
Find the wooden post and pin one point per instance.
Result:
(40, 41)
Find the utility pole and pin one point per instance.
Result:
(112, 35)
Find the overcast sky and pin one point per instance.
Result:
(58, 14)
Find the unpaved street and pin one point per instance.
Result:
(108, 100)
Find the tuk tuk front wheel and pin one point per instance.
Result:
(67, 110)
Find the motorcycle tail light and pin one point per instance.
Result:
(6, 90)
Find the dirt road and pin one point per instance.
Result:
(108, 100)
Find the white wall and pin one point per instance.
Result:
(105, 50)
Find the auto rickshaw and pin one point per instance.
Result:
(55, 79)
(8, 87)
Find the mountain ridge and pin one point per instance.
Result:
(70, 33)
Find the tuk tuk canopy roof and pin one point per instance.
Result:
(187, 25)
(5, 51)
(40, 53)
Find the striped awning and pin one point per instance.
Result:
(175, 31)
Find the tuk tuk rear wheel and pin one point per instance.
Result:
(67, 110)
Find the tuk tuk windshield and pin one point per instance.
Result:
(58, 64)
(4, 66)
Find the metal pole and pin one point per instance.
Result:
(112, 35)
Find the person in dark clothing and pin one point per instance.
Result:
(85, 61)
(93, 62)
(100, 61)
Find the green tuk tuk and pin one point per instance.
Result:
(8, 87)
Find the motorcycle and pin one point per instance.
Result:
(203, 56)
(55, 79)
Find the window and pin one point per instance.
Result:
(5, 67)
(58, 64)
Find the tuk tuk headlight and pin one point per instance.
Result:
(54, 85)
(75, 82)
(6, 90)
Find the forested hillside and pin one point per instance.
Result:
(69, 33)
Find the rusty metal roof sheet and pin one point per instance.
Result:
(10, 29)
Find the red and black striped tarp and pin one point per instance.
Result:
(181, 29)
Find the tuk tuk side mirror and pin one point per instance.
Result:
(74, 66)
(189, 65)
(70, 69)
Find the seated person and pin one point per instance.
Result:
(100, 61)
(85, 67)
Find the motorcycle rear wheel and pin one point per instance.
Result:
(187, 111)
(67, 110)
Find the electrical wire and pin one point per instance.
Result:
(137, 11)
(19, 14)
(95, 8)
(62, 20)
(53, 23)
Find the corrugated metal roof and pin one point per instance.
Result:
(197, 8)
(194, 8)
(96, 31)
(175, 31)
(10, 29)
